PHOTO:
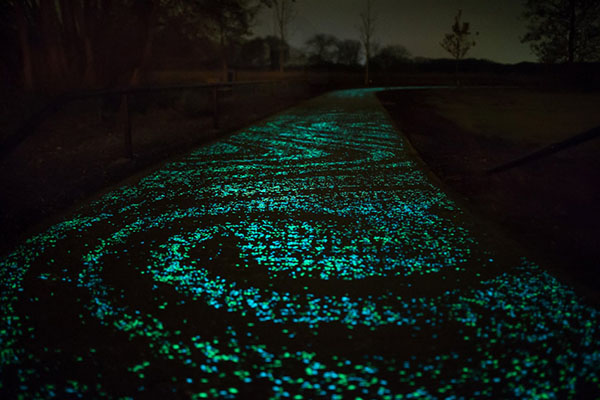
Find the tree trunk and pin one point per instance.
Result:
(281, 21)
(458, 55)
(89, 72)
(124, 117)
(224, 67)
(71, 40)
(55, 57)
(281, 57)
(457, 60)
(223, 50)
(367, 62)
(572, 29)
(84, 15)
(25, 47)
(149, 34)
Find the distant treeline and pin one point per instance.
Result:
(61, 45)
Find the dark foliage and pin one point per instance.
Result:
(392, 58)
(563, 30)
(64, 44)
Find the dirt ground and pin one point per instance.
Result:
(78, 151)
(552, 205)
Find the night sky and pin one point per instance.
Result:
(417, 25)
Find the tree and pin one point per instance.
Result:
(255, 53)
(348, 52)
(458, 42)
(563, 30)
(367, 32)
(226, 22)
(69, 44)
(283, 14)
(322, 49)
(392, 57)
(272, 45)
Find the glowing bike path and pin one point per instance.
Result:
(305, 257)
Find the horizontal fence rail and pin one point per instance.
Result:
(31, 123)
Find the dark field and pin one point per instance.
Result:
(551, 205)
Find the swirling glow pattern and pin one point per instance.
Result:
(305, 257)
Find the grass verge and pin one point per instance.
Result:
(551, 205)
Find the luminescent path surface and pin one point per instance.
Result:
(305, 257)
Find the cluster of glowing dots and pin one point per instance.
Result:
(305, 257)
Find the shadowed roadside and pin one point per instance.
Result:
(552, 203)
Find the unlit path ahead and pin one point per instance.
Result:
(308, 256)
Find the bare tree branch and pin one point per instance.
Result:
(283, 14)
(367, 32)
(458, 42)
(563, 30)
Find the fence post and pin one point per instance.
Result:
(215, 94)
(127, 129)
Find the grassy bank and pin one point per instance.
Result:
(517, 115)
(551, 205)
(79, 149)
